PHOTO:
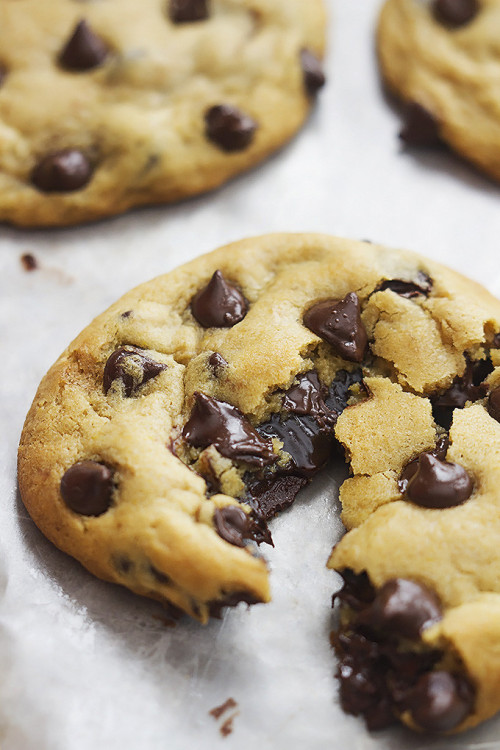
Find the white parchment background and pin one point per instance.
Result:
(87, 666)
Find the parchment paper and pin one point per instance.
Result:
(85, 665)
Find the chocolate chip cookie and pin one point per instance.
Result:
(108, 105)
(440, 57)
(196, 408)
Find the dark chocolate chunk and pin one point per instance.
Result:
(159, 576)
(132, 367)
(84, 50)
(217, 364)
(357, 590)
(271, 496)
(87, 488)
(307, 442)
(338, 392)
(312, 69)
(219, 304)
(466, 387)
(494, 404)
(455, 13)
(408, 289)
(232, 524)
(420, 127)
(29, 262)
(127, 314)
(440, 701)
(62, 171)
(186, 11)
(231, 600)
(339, 323)
(229, 128)
(307, 397)
(436, 484)
(411, 468)
(403, 608)
(217, 423)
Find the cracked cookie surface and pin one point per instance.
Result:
(442, 58)
(109, 105)
(198, 405)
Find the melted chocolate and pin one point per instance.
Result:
(29, 262)
(494, 404)
(408, 289)
(467, 387)
(220, 304)
(440, 701)
(187, 11)
(84, 49)
(116, 369)
(432, 483)
(87, 488)
(307, 397)
(304, 439)
(455, 13)
(403, 608)
(62, 171)
(229, 128)
(233, 525)
(217, 423)
(312, 70)
(338, 322)
(271, 496)
(420, 129)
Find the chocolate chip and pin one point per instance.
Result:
(84, 50)
(356, 591)
(440, 701)
(420, 127)
(122, 563)
(403, 608)
(408, 289)
(217, 423)
(273, 495)
(159, 577)
(185, 11)
(127, 313)
(232, 524)
(219, 304)
(339, 323)
(87, 488)
(131, 367)
(231, 600)
(466, 387)
(229, 128)
(455, 13)
(494, 404)
(62, 171)
(307, 397)
(312, 69)
(217, 364)
(436, 484)
(29, 262)
(307, 442)
(3, 73)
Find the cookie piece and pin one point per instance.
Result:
(105, 106)
(205, 399)
(439, 57)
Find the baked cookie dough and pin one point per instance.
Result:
(108, 105)
(441, 58)
(198, 405)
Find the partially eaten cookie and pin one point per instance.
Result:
(192, 411)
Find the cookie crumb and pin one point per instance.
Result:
(218, 711)
(29, 262)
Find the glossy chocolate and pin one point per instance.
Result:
(187, 11)
(232, 524)
(312, 70)
(403, 608)
(220, 304)
(217, 423)
(455, 13)
(494, 404)
(143, 367)
(338, 322)
(84, 50)
(420, 128)
(229, 128)
(304, 439)
(440, 701)
(273, 495)
(436, 484)
(467, 387)
(408, 289)
(217, 364)
(87, 488)
(62, 171)
(307, 396)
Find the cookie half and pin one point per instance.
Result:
(440, 57)
(104, 106)
(197, 406)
